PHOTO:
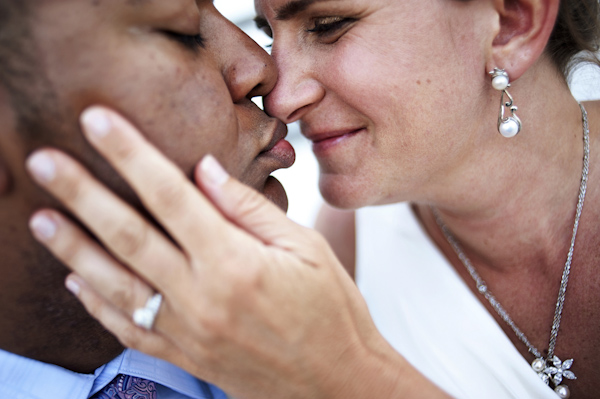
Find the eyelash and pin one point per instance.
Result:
(320, 29)
(192, 42)
(328, 28)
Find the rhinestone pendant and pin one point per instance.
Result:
(555, 373)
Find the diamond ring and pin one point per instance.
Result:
(144, 317)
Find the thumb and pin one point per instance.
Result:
(249, 209)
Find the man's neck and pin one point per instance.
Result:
(40, 319)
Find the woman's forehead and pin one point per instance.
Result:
(286, 9)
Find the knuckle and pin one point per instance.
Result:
(122, 296)
(169, 196)
(125, 153)
(249, 203)
(130, 336)
(69, 185)
(249, 280)
(243, 276)
(129, 238)
(94, 306)
(215, 326)
(68, 248)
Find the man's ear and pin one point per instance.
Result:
(7, 121)
(525, 27)
(5, 178)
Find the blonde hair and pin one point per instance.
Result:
(576, 35)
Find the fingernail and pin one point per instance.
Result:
(96, 122)
(42, 167)
(43, 227)
(213, 171)
(73, 286)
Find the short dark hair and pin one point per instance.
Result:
(29, 91)
(576, 35)
(14, 34)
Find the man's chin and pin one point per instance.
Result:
(275, 193)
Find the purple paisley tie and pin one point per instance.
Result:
(128, 387)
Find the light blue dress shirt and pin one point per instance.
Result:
(23, 378)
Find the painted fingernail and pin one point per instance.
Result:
(42, 167)
(213, 171)
(73, 286)
(96, 122)
(43, 227)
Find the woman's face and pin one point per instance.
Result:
(388, 91)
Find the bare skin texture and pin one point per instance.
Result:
(190, 98)
(271, 319)
(400, 107)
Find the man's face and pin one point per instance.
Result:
(180, 72)
(176, 68)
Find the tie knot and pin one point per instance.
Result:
(127, 387)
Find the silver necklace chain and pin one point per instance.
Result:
(550, 368)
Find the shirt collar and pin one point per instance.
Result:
(138, 364)
(21, 377)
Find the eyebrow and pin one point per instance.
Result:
(138, 2)
(293, 8)
(287, 11)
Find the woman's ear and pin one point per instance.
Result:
(525, 27)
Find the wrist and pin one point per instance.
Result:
(380, 372)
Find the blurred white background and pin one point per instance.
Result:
(300, 180)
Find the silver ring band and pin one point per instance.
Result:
(144, 317)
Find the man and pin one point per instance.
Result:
(180, 72)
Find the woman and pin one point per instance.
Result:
(406, 103)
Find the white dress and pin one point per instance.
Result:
(427, 313)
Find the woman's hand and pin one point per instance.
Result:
(252, 302)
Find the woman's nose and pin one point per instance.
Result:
(297, 91)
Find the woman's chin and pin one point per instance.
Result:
(275, 193)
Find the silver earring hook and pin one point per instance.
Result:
(507, 126)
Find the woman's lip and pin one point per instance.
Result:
(323, 144)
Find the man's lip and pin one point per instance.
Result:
(279, 133)
(279, 151)
(282, 153)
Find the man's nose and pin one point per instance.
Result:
(248, 70)
(297, 91)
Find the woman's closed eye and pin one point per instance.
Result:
(325, 27)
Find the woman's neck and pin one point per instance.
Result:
(513, 203)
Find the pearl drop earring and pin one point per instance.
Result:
(507, 126)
